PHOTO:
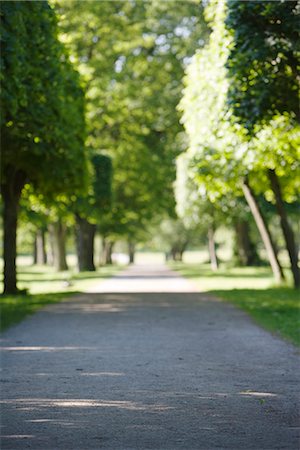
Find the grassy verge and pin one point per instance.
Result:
(275, 308)
(46, 286)
(15, 308)
(43, 279)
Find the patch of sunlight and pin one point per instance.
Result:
(105, 307)
(35, 404)
(103, 374)
(52, 421)
(44, 349)
(258, 394)
(42, 374)
(17, 436)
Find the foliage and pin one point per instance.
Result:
(263, 88)
(42, 104)
(173, 237)
(98, 201)
(131, 56)
(216, 143)
(276, 146)
(264, 94)
(264, 59)
(221, 151)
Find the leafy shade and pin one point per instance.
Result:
(264, 59)
(98, 201)
(131, 56)
(42, 103)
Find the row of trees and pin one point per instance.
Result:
(91, 133)
(89, 119)
(240, 109)
(42, 120)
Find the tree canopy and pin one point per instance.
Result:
(131, 56)
(42, 122)
(264, 59)
(121, 116)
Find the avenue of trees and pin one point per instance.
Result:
(42, 117)
(241, 114)
(133, 119)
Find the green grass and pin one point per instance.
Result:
(16, 308)
(277, 309)
(43, 279)
(46, 286)
(252, 289)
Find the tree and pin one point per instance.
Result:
(42, 124)
(173, 237)
(90, 209)
(193, 206)
(264, 93)
(218, 145)
(132, 63)
(263, 60)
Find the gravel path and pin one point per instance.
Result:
(149, 363)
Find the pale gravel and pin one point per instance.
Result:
(148, 363)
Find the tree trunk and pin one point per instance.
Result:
(51, 251)
(212, 249)
(179, 255)
(11, 191)
(58, 231)
(131, 252)
(286, 229)
(264, 232)
(244, 249)
(173, 253)
(102, 252)
(85, 235)
(107, 250)
(34, 251)
(40, 256)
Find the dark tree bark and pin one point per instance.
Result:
(102, 251)
(40, 256)
(180, 255)
(85, 236)
(244, 249)
(107, 251)
(264, 232)
(58, 236)
(51, 251)
(212, 249)
(286, 228)
(177, 254)
(11, 191)
(34, 251)
(131, 252)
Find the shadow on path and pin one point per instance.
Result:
(147, 370)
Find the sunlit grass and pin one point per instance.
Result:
(16, 308)
(226, 277)
(252, 289)
(276, 309)
(44, 286)
(42, 279)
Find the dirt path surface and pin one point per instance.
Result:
(132, 368)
